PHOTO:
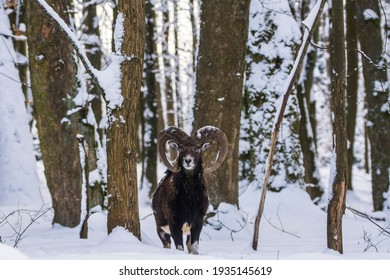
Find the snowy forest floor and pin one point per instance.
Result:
(291, 228)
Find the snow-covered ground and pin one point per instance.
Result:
(291, 228)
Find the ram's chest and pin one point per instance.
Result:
(190, 202)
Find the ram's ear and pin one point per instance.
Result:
(173, 145)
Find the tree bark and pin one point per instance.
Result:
(219, 85)
(122, 133)
(377, 94)
(53, 81)
(338, 181)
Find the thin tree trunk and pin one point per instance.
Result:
(122, 131)
(306, 129)
(169, 94)
(377, 94)
(178, 93)
(352, 82)
(54, 84)
(314, 14)
(338, 181)
(195, 32)
(91, 38)
(17, 19)
(219, 84)
(152, 89)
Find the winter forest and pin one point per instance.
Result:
(300, 89)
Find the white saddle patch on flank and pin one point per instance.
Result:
(186, 228)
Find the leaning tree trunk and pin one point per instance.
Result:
(122, 128)
(219, 85)
(338, 179)
(53, 81)
(377, 94)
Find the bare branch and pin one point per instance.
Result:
(19, 231)
(364, 215)
(281, 224)
(232, 231)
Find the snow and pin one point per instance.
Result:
(292, 228)
(19, 182)
(370, 15)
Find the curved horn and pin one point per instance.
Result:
(170, 133)
(209, 133)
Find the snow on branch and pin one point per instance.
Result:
(105, 87)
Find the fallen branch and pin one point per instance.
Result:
(310, 23)
(364, 215)
(19, 232)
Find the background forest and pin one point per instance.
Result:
(86, 87)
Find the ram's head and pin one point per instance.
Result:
(189, 148)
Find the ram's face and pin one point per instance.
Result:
(189, 157)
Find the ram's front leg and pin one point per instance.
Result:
(177, 236)
(193, 240)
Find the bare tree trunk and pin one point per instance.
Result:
(377, 94)
(338, 181)
(219, 84)
(195, 31)
(352, 82)
(306, 126)
(152, 88)
(168, 68)
(17, 20)
(54, 84)
(91, 38)
(122, 131)
(178, 93)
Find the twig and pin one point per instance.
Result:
(19, 232)
(368, 240)
(147, 216)
(234, 230)
(281, 224)
(364, 215)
